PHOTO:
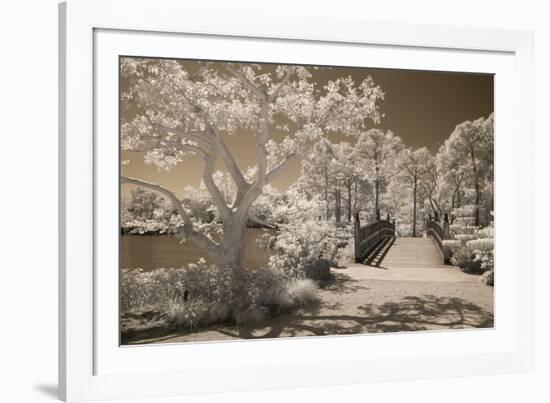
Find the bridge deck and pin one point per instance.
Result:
(411, 259)
(413, 252)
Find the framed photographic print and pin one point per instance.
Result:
(246, 209)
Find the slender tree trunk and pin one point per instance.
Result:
(455, 198)
(349, 200)
(414, 206)
(355, 197)
(338, 205)
(326, 194)
(476, 186)
(376, 195)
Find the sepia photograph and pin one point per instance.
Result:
(262, 200)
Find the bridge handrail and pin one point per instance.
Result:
(368, 236)
(439, 233)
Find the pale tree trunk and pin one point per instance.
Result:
(454, 199)
(326, 194)
(338, 205)
(414, 206)
(232, 250)
(355, 197)
(376, 195)
(476, 185)
(349, 200)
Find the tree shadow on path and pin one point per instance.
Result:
(342, 283)
(412, 313)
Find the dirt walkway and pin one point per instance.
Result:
(397, 296)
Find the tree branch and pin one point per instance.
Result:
(194, 135)
(279, 168)
(160, 189)
(283, 82)
(258, 220)
(247, 83)
(211, 247)
(209, 165)
(263, 137)
(230, 163)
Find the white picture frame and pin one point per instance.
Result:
(85, 339)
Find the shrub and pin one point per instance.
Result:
(280, 292)
(460, 229)
(463, 238)
(302, 245)
(187, 314)
(200, 294)
(464, 259)
(302, 291)
(268, 288)
(487, 232)
(472, 255)
(483, 251)
(472, 247)
(451, 247)
(345, 255)
(483, 244)
(452, 244)
(168, 286)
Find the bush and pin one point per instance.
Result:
(200, 294)
(487, 232)
(274, 288)
(463, 238)
(267, 288)
(169, 286)
(302, 245)
(483, 251)
(302, 291)
(457, 229)
(464, 259)
(187, 314)
(472, 255)
(346, 255)
(452, 244)
(482, 244)
(472, 247)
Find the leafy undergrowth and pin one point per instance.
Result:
(472, 248)
(199, 295)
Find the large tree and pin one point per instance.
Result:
(317, 176)
(452, 173)
(472, 141)
(378, 152)
(176, 112)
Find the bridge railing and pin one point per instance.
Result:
(439, 232)
(368, 236)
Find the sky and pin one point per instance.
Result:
(422, 107)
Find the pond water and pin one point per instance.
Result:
(155, 251)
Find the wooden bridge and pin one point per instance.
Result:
(376, 245)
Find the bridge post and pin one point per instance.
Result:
(377, 215)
